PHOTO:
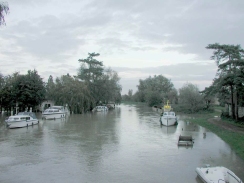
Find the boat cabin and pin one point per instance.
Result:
(17, 118)
(169, 114)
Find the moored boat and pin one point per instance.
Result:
(168, 117)
(54, 112)
(217, 174)
(22, 119)
(100, 108)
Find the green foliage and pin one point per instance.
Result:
(155, 90)
(71, 91)
(190, 98)
(153, 98)
(228, 84)
(26, 90)
(103, 84)
(90, 69)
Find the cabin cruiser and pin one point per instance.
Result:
(100, 108)
(168, 117)
(22, 119)
(54, 112)
(217, 174)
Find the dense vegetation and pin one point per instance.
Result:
(93, 85)
(157, 90)
(228, 84)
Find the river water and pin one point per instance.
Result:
(127, 144)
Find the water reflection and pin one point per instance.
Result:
(127, 144)
(168, 129)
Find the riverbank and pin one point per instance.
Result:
(230, 132)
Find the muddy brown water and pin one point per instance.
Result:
(127, 144)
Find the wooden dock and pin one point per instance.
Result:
(185, 141)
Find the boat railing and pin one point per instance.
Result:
(234, 177)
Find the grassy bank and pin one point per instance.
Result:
(234, 138)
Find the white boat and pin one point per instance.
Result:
(100, 108)
(217, 174)
(22, 119)
(54, 112)
(168, 118)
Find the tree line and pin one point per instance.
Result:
(93, 85)
(157, 90)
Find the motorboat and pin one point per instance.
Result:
(54, 112)
(22, 119)
(168, 117)
(100, 108)
(217, 175)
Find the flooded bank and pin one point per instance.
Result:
(127, 144)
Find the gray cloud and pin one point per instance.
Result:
(201, 74)
(55, 32)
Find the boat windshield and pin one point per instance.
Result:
(28, 113)
(51, 110)
(169, 113)
(57, 107)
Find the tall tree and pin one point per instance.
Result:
(50, 89)
(91, 69)
(229, 59)
(4, 9)
(102, 83)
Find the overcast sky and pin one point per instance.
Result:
(138, 38)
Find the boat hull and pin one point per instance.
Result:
(53, 115)
(100, 109)
(217, 174)
(20, 124)
(168, 121)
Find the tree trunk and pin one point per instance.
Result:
(236, 106)
(232, 102)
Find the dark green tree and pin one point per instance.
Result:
(29, 89)
(190, 98)
(71, 91)
(25, 90)
(229, 59)
(155, 90)
(103, 84)
(51, 93)
(90, 69)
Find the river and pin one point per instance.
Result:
(126, 144)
